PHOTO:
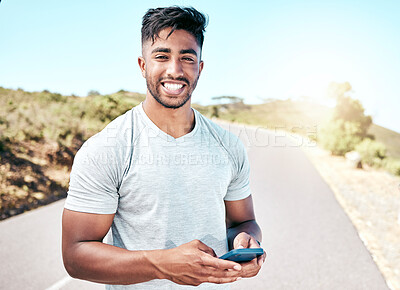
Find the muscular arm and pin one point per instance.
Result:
(86, 257)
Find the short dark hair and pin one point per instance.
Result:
(186, 18)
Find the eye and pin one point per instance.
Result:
(160, 56)
(188, 59)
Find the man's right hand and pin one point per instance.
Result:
(194, 263)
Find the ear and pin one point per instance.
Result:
(201, 64)
(142, 65)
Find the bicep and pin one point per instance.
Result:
(239, 211)
(82, 227)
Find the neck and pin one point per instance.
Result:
(174, 122)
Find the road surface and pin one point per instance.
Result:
(310, 242)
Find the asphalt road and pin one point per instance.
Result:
(310, 242)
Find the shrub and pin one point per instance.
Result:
(392, 165)
(107, 108)
(93, 93)
(3, 146)
(372, 152)
(56, 97)
(214, 112)
(339, 136)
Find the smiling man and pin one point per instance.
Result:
(172, 185)
(159, 73)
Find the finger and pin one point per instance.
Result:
(260, 260)
(219, 273)
(250, 264)
(250, 269)
(241, 241)
(223, 280)
(220, 263)
(253, 243)
(264, 256)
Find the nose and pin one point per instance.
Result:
(174, 68)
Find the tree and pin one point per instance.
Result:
(93, 93)
(348, 125)
(231, 99)
(337, 90)
(350, 110)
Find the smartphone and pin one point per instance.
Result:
(242, 255)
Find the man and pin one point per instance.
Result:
(168, 181)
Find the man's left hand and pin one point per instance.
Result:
(251, 268)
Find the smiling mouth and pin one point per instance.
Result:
(173, 88)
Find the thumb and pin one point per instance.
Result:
(241, 241)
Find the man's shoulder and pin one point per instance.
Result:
(221, 131)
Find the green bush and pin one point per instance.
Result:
(372, 152)
(3, 146)
(392, 165)
(339, 136)
(214, 112)
(107, 108)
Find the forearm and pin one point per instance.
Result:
(192, 263)
(102, 263)
(251, 227)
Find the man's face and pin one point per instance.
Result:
(171, 67)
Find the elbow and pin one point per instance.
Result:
(70, 269)
(70, 265)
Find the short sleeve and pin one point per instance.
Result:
(239, 188)
(93, 186)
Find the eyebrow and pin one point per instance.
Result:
(161, 49)
(190, 51)
(167, 50)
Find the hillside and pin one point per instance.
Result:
(40, 133)
(390, 138)
(300, 117)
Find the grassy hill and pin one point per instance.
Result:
(390, 138)
(40, 133)
(296, 116)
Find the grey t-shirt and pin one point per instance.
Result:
(164, 191)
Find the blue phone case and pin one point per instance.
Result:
(242, 255)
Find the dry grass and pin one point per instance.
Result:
(40, 133)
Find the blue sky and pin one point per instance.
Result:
(253, 49)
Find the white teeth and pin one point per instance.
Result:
(173, 87)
